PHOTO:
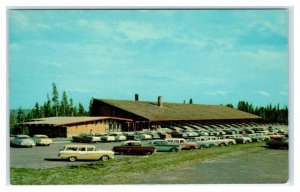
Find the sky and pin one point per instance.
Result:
(211, 56)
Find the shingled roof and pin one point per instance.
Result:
(61, 121)
(177, 111)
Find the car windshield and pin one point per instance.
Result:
(42, 136)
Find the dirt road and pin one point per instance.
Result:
(261, 165)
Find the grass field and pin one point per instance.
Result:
(129, 170)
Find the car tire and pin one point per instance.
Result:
(148, 152)
(105, 158)
(246, 142)
(267, 139)
(191, 148)
(201, 147)
(222, 144)
(230, 143)
(174, 150)
(72, 159)
(211, 146)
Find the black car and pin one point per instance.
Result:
(278, 143)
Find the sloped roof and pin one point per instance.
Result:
(60, 121)
(178, 111)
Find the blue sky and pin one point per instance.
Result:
(212, 56)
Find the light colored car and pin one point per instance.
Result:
(22, 141)
(221, 141)
(238, 138)
(118, 136)
(42, 140)
(86, 138)
(203, 142)
(184, 144)
(107, 137)
(163, 145)
(84, 152)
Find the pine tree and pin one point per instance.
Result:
(55, 100)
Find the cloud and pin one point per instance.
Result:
(135, 31)
(264, 93)
(217, 93)
(283, 93)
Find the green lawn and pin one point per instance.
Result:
(127, 170)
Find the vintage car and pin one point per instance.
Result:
(231, 131)
(184, 144)
(134, 147)
(133, 136)
(280, 142)
(256, 129)
(118, 136)
(202, 133)
(107, 137)
(164, 146)
(238, 138)
(86, 138)
(22, 141)
(154, 134)
(145, 136)
(203, 142)
(42, 140)
(84, 152)
(188, 133)
(221, 141)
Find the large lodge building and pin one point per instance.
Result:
(124, 115)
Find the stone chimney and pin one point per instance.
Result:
(159, 101)
(136, 97)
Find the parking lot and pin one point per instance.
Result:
(47, 156)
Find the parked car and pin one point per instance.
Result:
(186, 134)
(221, 141)
(144, 136)
(86, 138)
(133, 136)
(239, 138)
(134, 147)
(118, 136)
(202, 142)
(163, 145)
(177, 134)
(257, 129)
(107, 137)
(22, 141)
(184, 144)
(202, 133)
(282, 142)
(84, 152)
(154, 134)
(42, 140)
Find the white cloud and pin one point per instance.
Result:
(264, 93)
(283, 93)
(140, 31)
(217, 93)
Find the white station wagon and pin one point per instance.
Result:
(84, 152)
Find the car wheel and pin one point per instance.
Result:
(104, 158)
(72, 159)
(230, 143)
(211, 146)
(148, 152)
(267, 139)
(201, 147)
(191, 148)
(247, 141)
(222, 144)
(173, 150)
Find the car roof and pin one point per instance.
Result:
(79, 145)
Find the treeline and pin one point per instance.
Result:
(270, 113)
(52, 107)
